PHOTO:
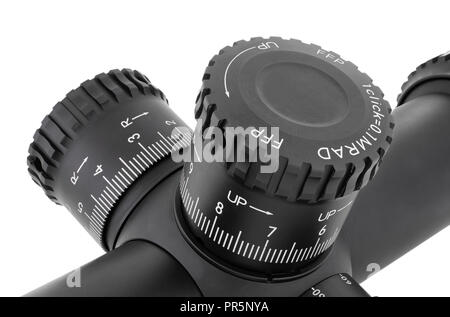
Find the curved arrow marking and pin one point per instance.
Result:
(227, 92)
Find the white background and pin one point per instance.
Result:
(49, 47)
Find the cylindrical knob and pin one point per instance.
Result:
(429, 78)
(98, 141)
(312, 131)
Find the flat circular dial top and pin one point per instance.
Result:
(333, 122)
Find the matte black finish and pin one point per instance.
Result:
(263, 236)
(333, 130)
(137, 268)
(429, 78)
(157, 219)
(406, 203)
(97, 142)
(409, 200)
(334, 125)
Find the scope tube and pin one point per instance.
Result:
(409, 200)
(137, 269)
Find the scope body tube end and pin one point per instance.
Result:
(408, 201)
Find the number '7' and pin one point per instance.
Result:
(272, 230)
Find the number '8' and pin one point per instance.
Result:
(219, 208)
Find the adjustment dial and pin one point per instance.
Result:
(99, 141)
(326, 128)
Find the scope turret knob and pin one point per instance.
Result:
(99, 140)
(325, 128)
(430, 77)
